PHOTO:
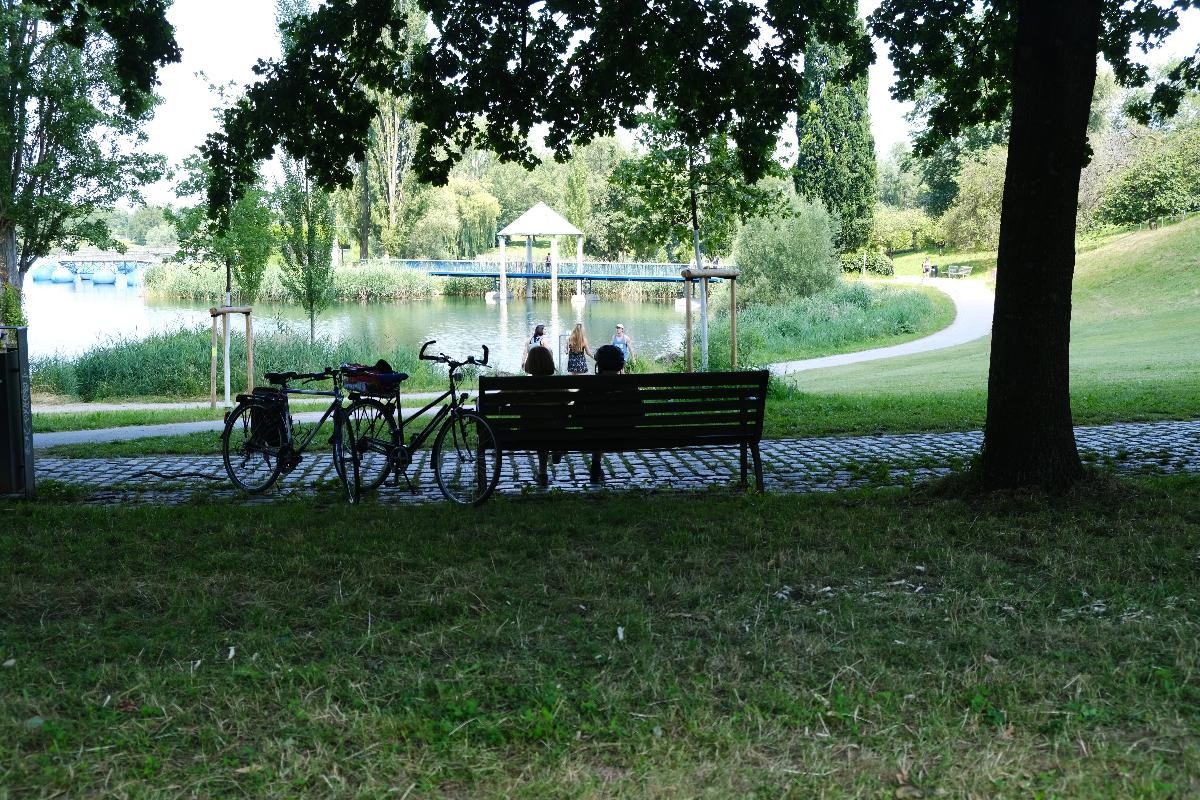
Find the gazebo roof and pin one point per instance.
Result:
(541, 220)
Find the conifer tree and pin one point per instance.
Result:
(836, 152)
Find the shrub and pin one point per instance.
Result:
(10, 306)
(877, 263)
(783, 257)
(898, 229)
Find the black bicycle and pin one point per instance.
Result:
(465, 458)
(261, 442)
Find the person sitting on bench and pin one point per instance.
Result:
(611, 361)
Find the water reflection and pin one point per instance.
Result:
(71, 318)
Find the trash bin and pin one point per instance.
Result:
(16, 418)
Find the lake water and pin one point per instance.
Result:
(71, 318)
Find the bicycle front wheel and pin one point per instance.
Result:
(466, 459)
(346, 457)
(253, 437)
(376, 435)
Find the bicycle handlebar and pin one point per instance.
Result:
(442, 358)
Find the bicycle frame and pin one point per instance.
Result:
(419, 438)
(307, 439)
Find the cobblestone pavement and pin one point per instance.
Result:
(789, 465)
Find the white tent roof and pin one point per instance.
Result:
(541, 220)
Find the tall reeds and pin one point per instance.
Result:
(175, 364)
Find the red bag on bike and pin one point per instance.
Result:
(376, 380)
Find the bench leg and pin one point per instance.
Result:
(742, 446)
(758, 475)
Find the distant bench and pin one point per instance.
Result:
(958, 272)
(619, 413)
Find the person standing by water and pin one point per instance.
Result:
(622, 342)
(536, 340)
(578, 351)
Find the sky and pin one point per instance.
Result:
(224, 38)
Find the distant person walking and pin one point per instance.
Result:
(536, 340)
(547, 262)
(578, 351)
(925, 268)
(622, 342)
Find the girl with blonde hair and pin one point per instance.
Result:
(578, 351)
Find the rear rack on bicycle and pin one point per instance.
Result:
(372, 381)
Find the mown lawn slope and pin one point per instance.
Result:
(1135, 353)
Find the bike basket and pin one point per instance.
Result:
(372, 380)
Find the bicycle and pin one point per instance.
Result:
(260, 440)
(465, 458)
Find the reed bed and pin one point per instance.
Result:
(352, 283)
(175, 364)
(849, 317)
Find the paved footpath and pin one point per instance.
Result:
(973, 303)
(789, 465)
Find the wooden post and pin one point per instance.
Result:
(225, 331)
(704, 275)
(249, 354)
(733, 327)
(687, 304)
(212, 376)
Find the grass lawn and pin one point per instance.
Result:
(54, 421)
(875, 645)
(981, 263)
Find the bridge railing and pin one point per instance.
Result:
(566, 269)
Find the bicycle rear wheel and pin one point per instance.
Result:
(466, 459)
(375, 436)
(251, 443)
(346, 456)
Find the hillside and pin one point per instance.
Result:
(1135, 347)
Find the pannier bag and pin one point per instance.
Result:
(267, 416)
(377, 380)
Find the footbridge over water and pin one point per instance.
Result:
(579, 271)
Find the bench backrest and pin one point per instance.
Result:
(624, 412)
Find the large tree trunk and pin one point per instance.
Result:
(1029, 439)
(10, 260)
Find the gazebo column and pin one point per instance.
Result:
(528, 266)
(579, 266)
(503, 269)
(553, 269)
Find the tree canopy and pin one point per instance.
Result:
(78, 81)
(710, 63)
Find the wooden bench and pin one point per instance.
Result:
(958, 272)
(619, 413)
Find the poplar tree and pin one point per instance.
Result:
(835, 162)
